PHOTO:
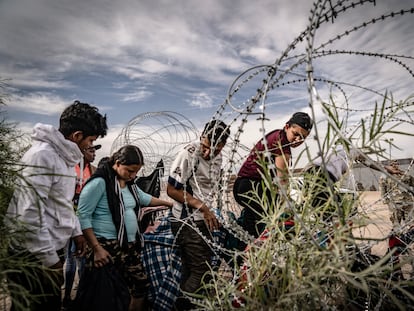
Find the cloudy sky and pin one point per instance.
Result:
(130, 57)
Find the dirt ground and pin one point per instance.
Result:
(377, 226)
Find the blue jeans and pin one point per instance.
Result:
(71, 263)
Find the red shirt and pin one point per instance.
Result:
(87, 172)
(251, 168)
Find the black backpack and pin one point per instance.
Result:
(151, 184)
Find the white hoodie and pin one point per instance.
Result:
(43, 199)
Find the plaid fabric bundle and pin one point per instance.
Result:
(163, 266)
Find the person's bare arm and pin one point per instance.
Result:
(160, 202)
(80, 243)
(282, 168)
(101, 257)
(393, 170)
(363, 159)
(180, 196)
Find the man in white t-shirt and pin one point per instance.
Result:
(192, 183)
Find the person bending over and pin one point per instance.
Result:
(249, 178)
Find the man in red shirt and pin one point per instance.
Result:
(273, 151)
(87, 169)
(84, 171)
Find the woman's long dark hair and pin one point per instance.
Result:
(127, 155)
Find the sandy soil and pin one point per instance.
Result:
(376, 218)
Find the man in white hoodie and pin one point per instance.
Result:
(42, 203)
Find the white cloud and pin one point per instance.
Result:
(137, 96)
(106, 142)
(131, 72)
(26, 76)
(179, 48)
(153, 66)
(201, 100)
(38, 103)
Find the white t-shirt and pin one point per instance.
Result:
(338, 161)
(197, 175)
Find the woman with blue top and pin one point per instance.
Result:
(108, 207)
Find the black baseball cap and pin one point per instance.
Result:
(302, 119)
(96, 147)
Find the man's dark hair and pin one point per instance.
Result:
(216, 131)
(82, 117)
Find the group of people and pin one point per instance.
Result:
(103, 228)
(70, 210)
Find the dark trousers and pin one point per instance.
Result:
(317, 192)
(245, 192)
(195, 254)
(129, 263)
(40, 286)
